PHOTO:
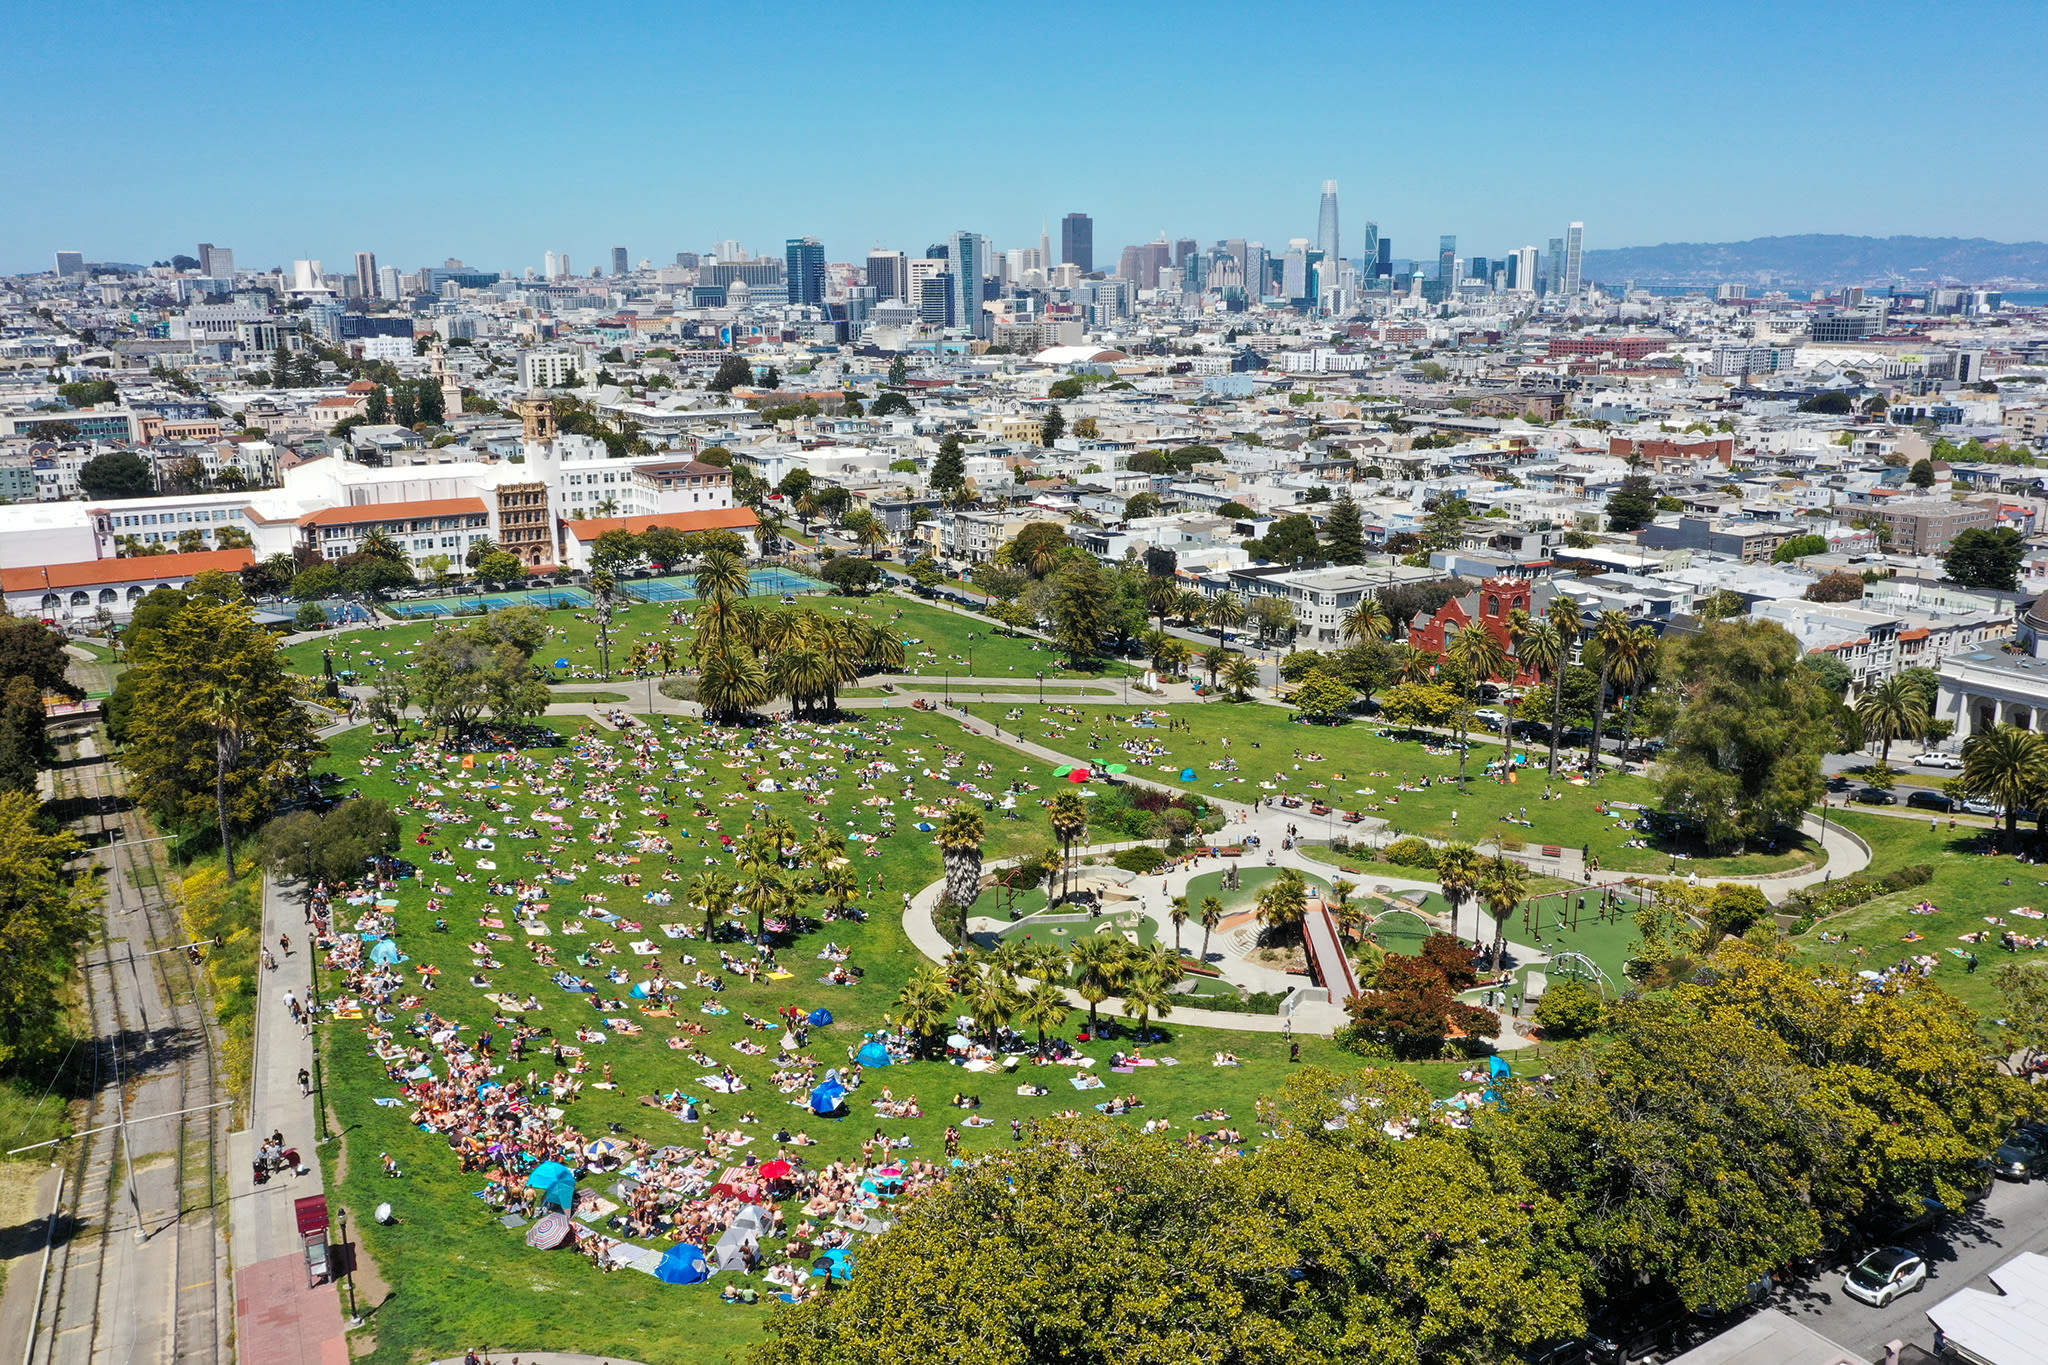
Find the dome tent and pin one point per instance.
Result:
(829, 1097)
(683, 1263)
(874, 1052)
(385, 952)
(820, 1017)
(558, 1182)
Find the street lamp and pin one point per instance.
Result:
(1041, 687)
(348, 1266)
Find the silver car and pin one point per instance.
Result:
(1931, 759)
(1884, 1275)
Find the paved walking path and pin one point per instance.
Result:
(278, 1319)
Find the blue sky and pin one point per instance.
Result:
(496, 132)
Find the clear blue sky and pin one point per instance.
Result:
(494, 132)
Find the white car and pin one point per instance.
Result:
(1884, 1275)
(1930, 759)
(1492, 717)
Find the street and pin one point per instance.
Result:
(2012, 1219)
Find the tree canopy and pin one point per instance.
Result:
(1984, 557)
(117, 474)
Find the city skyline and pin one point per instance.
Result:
(1210, 174)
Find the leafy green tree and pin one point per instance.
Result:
(24, 746)
(48, 913)
(1799, 547)
(890, 404)
(1921, 475)
(1633, 505)
(1321, 697)
(1344, 533)
(117, 474)
(1744, 755)
(1839, 586)
(1981, 557)
(1830, 672)
(733, 371)
(1080, 608)
(458, 674)
(216, 734)
(1569, 1008)
(1054, 427)
(852, 575)
(30, 649)
(1289, 540)
(899, 371)
(335, 844)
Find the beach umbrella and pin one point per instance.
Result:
(959, 1040)
(775, 1170)
(1118, 768)
(1063, 770)
(550, 1231)
(1079, 775)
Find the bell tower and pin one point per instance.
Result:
(539, 417)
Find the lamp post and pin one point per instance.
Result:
(1041, 687)
(348, 1266)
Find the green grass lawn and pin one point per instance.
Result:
(1352, 767)
(461, 1278)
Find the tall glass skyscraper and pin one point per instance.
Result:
(1326, 224)
(1077, 242)
(805, 259)
(1372, 249)
(1447, 261)
(1555, 280)
(1574, 245)
(970, 262)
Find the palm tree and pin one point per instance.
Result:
(1156, 643)
(733, 683)
(802, 675)
(1480, 658)
(1045, 1008)
(925, 1006)
(1242, 675)
(1501, 887)
(1226, 613)
(666, 653)
(222, 709)
(765, 895)
(1368, 622)
(722, 577)
(1162, 595)
(1213, 659)
(1069, 816)
(1177, 914)
(1565, 616)
(1174, 657)
(1613, 636)
(1283, 902)
(1212, 915)
(1342, 908)
(1635, 670)
(1192, 607)
(603, 595)
(992, 999)
(2010, 766)
(1419, 666)
(1146, 997)
(1894, 709)
(714, 891)
(1457, 872)
(959, 839)
(840, 884)
(881, 647)
(1541, 648)
(1099, 967)
(380, 543)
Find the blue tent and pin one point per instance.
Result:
(683, 1263)
(873, 1053)
(561, 1195)
(820, 1018)
(546, 1174)
(386, 952)
(1497, 1067)
(1187, 774)
(830, 1095)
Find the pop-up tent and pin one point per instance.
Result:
(385, 951)
(874, 1052)
(820, 1017)
(1497, 1067)
(683, 1264)
(829, 1097)
(731, 1251)
(558, 1182)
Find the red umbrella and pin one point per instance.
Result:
(775, 1170)
(1079, 775)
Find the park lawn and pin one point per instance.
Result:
(1969, 885)
(464, 1280)
(1354, 767)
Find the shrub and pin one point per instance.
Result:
(1410, 852)
(1258, 1002)
(1570, 1008)
(1140, 860)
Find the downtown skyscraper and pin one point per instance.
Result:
(1077, 242)
(1574, 258)
(805, 261)
(969, 256)
(1327, 237)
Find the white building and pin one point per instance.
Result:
(546, 369)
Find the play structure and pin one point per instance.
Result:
(1327, 960)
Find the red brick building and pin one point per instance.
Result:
(1487, 609)
(1624, 348)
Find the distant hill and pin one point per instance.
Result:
(1817, 260)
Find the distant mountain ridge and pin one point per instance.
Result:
(1817, 260)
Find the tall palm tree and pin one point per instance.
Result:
(1419, 666)
(1192, 607)
(804, 676)
(1177, 915)
(840, 884)
(1162, 595)
(825, 846)
(1368, 622)
(1069, 816)
(925, 1006)
(1480, 658)
(959, 839)
(1501, 886)
(1100, 963)
(1156, 643)
(604, 589)
(1457, 872)
(992, 999)
(1894, 709)
(1213, 659)
(733, 682)
(1564, 614)
(1613, 637)
(1148, 994)
(881, 647)
(1541, 649)
(1212, 915)
(222, 709)
(713, 891)
(1634, 671)
(722, 577)
(2010, 766)
(766, 894)
(1044, 1008)
(1342, 908)
(1226, 613)
(1283, 903)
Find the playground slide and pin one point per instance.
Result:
(1326, 955)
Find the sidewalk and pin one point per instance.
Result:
(278, 1320)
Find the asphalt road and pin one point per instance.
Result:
(2012, 1219)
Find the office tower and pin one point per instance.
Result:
(969, 263)
(728, 251)
(307, 276)
(1256, 271)
(216, 262)
(1183, 249)
(1479, 268)
(1020, 261)
(366, 274)
(550, 267)
(935, 298)
(1233, 247)
(620, 265)
(1447, 262)
(1370, 260)
(1294, 271)
(1130, 263)
(1077, 241)
(562, 266)
(805, 261)
(1554, 279)
(1045, 260)
(1522, 269)
(387, 282)
(1326, 223)
(888, 274)
(70, 263)
(1384, 266)
(689, 260)
(1574, 242)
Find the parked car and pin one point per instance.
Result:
(1977, 805)
(1872, 796)
(2021, 1157)
(1927, 800)
(1884, 1275)
(1931, 759)
(1491, 717)
(1625, 1331)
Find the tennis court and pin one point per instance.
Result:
(447, 606)
(546, 598)
(761, 583)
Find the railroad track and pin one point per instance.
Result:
(140, 1274)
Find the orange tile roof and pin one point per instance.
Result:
(716, 519)
(368, 512)
(93, 573)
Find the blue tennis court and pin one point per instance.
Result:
(421, 610)
(761, 583)
(547, 598)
